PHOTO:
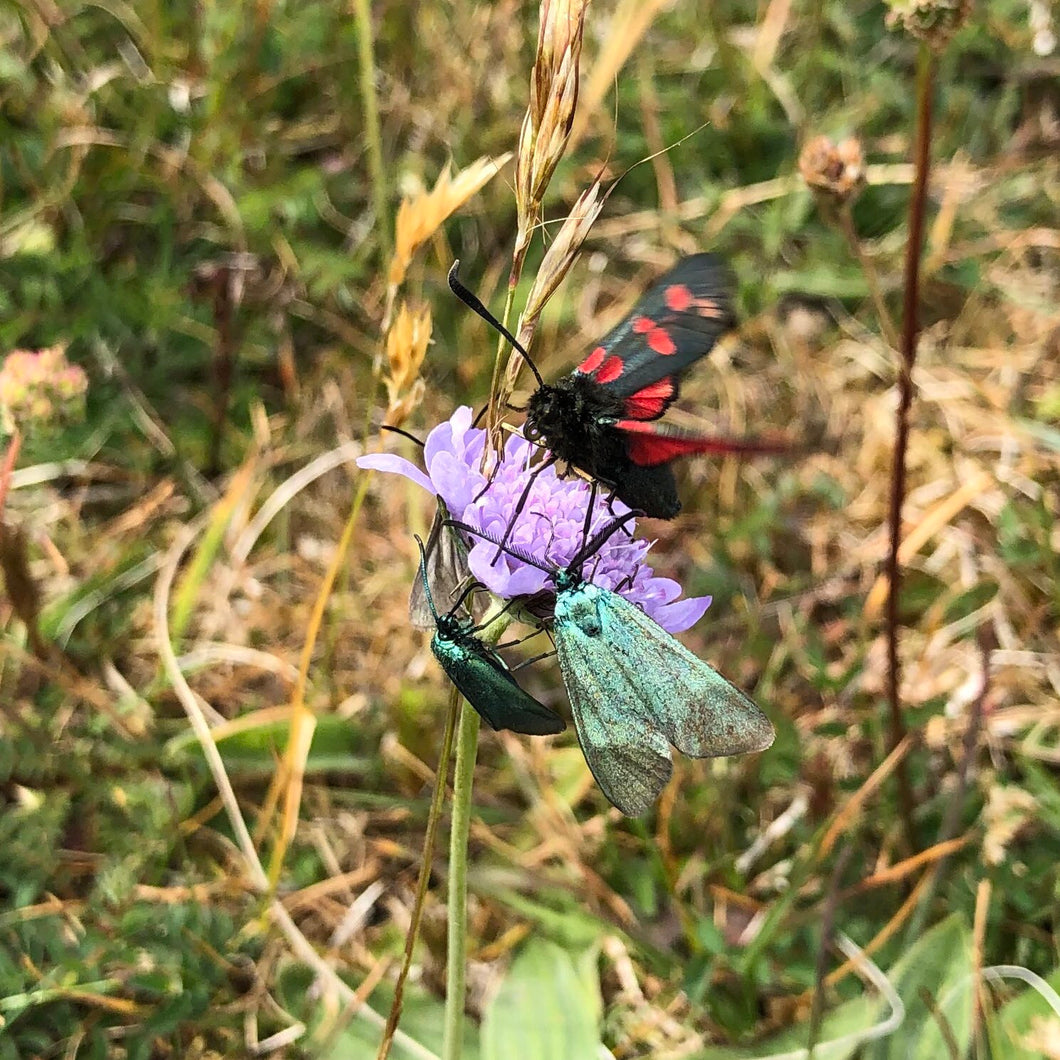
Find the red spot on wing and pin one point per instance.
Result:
(650, 402)
(610, 370)
(677, 297)
(593, 361)
(642, 325)
(659, 340)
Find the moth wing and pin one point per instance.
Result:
(677, 321)
(651, 444)
(447, 572)
(651, 490)
(629, 757)
(487, 684)
(702, 714)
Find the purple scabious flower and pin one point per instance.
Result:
(551, 526)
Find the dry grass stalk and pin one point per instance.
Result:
(406, 346)
(550, 114)
(556, 264)
(542, 142)
(418, 218)
(631, 20)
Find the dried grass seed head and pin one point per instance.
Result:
(420, 216)
(553, 101)
(406, 347)
(559, 257)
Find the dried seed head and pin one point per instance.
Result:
(1007, 810)
(553, 101)
(560, 256)
(419, 217)
(837, 169)
(406, 346)
(932, 21)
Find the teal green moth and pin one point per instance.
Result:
(480, 673)
(635, 690)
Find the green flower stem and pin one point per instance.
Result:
(456, 957)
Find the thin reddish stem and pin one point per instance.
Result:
(910, 331)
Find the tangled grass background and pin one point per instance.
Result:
(219, 733)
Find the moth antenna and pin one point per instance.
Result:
(599, 539)
(404, 434)
(423, 575)
(512, 550)
(474, 303)
(485, 625)
(464, 595)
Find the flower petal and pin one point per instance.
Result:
(448, 436)
(396, 465)
(506, 578)
(456, 482)
(682, 614)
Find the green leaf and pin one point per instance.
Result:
(1007, 1027)
(840, 1036)
(336, 747)
(939, 964)
(422, 1020)
(547, 1008)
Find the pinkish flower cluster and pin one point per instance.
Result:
(40, 388)
(550, 527)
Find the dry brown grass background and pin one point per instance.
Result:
(248, 279)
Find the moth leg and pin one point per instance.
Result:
(609, 500)
(589, 512)
(522, 640)
(536, 658)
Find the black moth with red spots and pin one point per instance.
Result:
(600, 417)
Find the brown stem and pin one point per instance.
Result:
(8, 467)
(917, 204)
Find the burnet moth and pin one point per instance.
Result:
(602, 417)
(480, 673)
(634, 689)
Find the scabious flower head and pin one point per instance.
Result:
(551, 526)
